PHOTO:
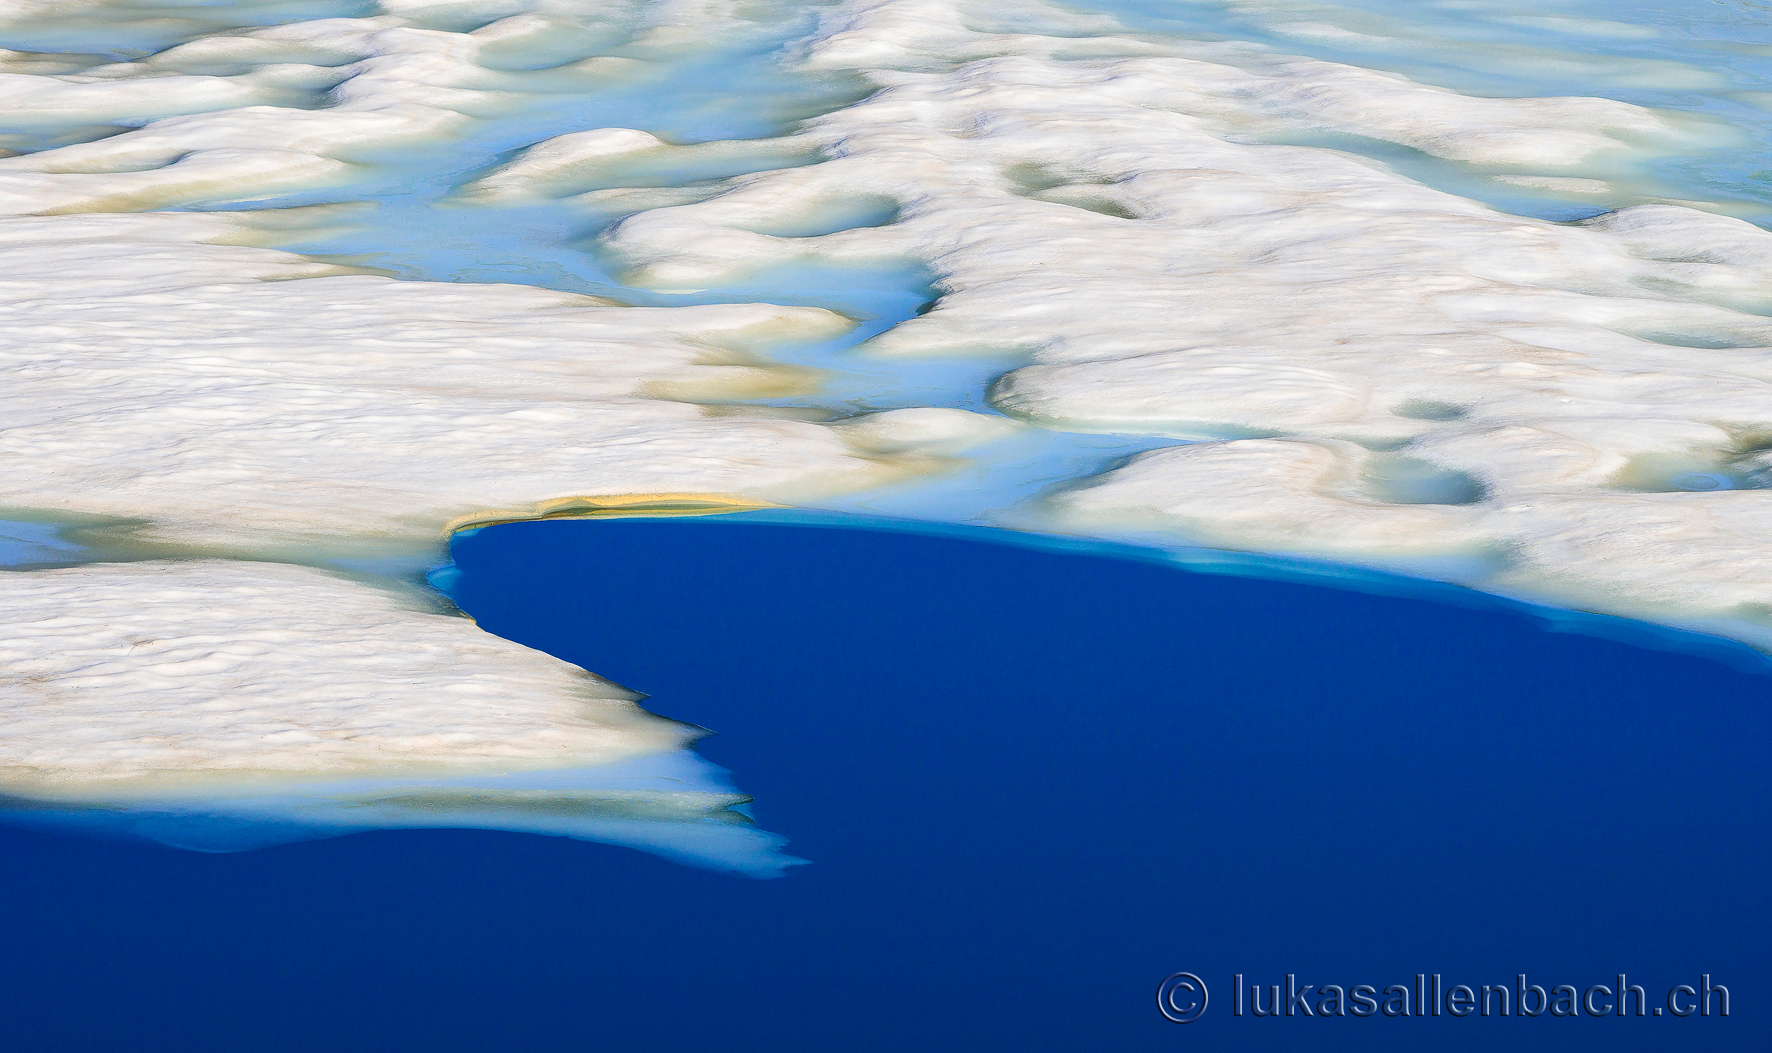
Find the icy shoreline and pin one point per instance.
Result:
(1157, 313)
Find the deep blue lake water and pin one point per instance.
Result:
(1031, 783)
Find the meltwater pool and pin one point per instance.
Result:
(1020, 781)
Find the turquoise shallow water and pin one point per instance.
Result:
(114, 34)
(1710, 61)
(1031, 776)
(1708, 58)
(1700, 58)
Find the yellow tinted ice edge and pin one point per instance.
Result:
(609, 506)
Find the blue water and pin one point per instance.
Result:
(26, 543)
(1031, 782)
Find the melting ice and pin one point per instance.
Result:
(1469, 290)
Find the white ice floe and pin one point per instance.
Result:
(164, 381)
(151, 675)
(1118, 221)
(171, 378)
(1382, 371)
(225, 705)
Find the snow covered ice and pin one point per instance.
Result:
(1459, 290)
